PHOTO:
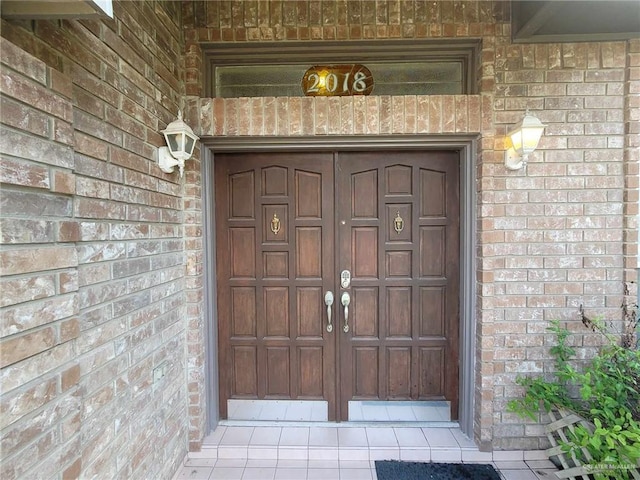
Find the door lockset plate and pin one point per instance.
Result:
(345, 279)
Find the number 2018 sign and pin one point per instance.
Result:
(337, 80)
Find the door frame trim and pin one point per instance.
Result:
(466, 145)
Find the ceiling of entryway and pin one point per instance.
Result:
(575, 21)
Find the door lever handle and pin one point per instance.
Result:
(328, 301)
(345, 300)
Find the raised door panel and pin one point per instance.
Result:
(364, 312)
(398, 314)
(311, 374)
(276, 315)
(309, 252)
(241, 195)
(364, 198)
(278, 370)
(432, 251)
(243, 312)
(242, 245)
(433, 373)
(275, 181)
(365, 373)
(399, 377)
(308, 195)
(309, 309)
(432, 311)
(364, 246)
(244, 365)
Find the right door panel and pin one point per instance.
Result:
(398, 235)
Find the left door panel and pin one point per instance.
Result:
(274, 235)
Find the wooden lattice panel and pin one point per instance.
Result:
(562, 422)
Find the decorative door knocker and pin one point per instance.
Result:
(398, 223)
(275, 224)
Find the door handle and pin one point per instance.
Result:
(345, 300)
(328, 301)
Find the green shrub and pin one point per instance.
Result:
(609, 398)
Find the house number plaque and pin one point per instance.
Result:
(337, 80)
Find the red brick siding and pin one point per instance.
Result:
(98, 291)
(92, 255)
(559, 234)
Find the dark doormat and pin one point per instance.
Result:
(395, 470)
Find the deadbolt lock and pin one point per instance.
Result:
(345, 279)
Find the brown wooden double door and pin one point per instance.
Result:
(287, 226)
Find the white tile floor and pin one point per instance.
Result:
(330, 451)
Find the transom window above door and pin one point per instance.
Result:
(398, 67)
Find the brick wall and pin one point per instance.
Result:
(360, 115)
(560, 227)
(559, 234)
(101, 255)
(94, 284)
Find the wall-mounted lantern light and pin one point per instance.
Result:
(524, 140)
(181, 141)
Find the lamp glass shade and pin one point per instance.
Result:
(173, 140)
(190, 143)
(176, 144)
(526, 135)
(180, 138)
